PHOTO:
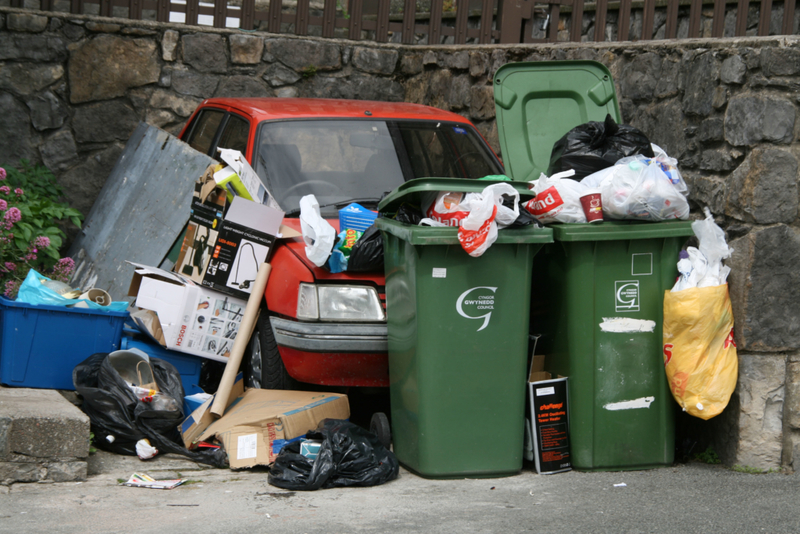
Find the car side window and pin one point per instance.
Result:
(235, 134)
(205, 129)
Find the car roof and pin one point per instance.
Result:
(307, 108)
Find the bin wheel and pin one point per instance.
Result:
(379, 425)
(264, 368)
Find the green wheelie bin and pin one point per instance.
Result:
(597, 292)
(458, 341)
(597, 299)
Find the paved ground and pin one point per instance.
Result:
(685, 498)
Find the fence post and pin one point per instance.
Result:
(509, 19)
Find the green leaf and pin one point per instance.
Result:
(53, 253)
(76, 221)
(21, 243)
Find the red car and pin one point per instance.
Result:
(317, 327)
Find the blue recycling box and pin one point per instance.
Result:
(40, 345)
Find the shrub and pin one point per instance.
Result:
(30, 231)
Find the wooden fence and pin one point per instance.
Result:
(453, 21)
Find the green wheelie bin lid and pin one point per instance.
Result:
(538, 102)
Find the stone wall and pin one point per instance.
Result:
(72, 89)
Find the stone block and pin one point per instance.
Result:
(792, 410)
(733, 70)
(780, 61)
(104, 121)
(103, 27)
(711, 130)
(67, 471)
(48, 112)
(717, 160)
(375, 60)
(760, 393)
(108, 65)
(246, 49)
(668, 81)
(169, 45)
(478, 64)
(194, 84)
(764, 188)
(205, 52)
(701, 77)
(299, 54)
(411, 64)
(11, 472)
(459, 93)
(456, 60)
(640, 76)
(277, 75)
(242, 86)
(26, 22)
(26, 79)
(765, 289)
(481, 105)
(180, 105)
(16, 134)
(83, 182)
(37, 47)
(753, 119)
(706, 190)
(59, 150)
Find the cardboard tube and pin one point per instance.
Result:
(240, 343)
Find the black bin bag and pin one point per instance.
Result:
(349, 456)
(114, 410)
(593, 146)
(367, 253)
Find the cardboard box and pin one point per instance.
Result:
(193, 319)
(239, 179)
(245, 240)
(257, 425)
(201, 418)
(205, 221)
(547, 423)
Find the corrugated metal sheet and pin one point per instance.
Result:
(140, 211)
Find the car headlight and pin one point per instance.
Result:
(338, 303)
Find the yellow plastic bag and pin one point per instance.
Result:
(699, 351)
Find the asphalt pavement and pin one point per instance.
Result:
(683, 498)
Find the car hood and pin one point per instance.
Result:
(298, 248)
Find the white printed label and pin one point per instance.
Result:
(439, 272)
(541, 392)
(475, 301)
(626, 295)
(247, 447)
(643, 402)
(626, 325)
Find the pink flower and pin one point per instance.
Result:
(10, 266)
(19, 192)
(3, 205)
(13, 215)
(12, 286)
(66, 264)
(41, 242)
(5, 189)
(2, 174)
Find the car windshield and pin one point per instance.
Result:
(343, 161)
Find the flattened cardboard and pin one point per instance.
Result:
(201, 418)
(257, 425)
(239, 179)
(194, 319)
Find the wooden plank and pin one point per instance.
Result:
(105, 8)
(624, 20)
(671, 29)
(577, 21)
(510, 21)
(742, 8)
(220, 13)
(192, 11)
(301, 18)
(601, 11)
(788, 17)
(485, 32)
(248, 18)
(409, 21)
(649, 10)
(695, 17)
(356, 21)
(552, 29)
(274, 20)
(462, 15)
(329, 18)
(140, 211)
(75, 6)
(47, 5)
(764, 17)
(435, 26)
(718, 20)
(382, 22)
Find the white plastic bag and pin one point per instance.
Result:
(318, 234)
(637, 188)
(557, 200)
(505, 216)
(479, 230)
(702, 267)
(446, 207)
